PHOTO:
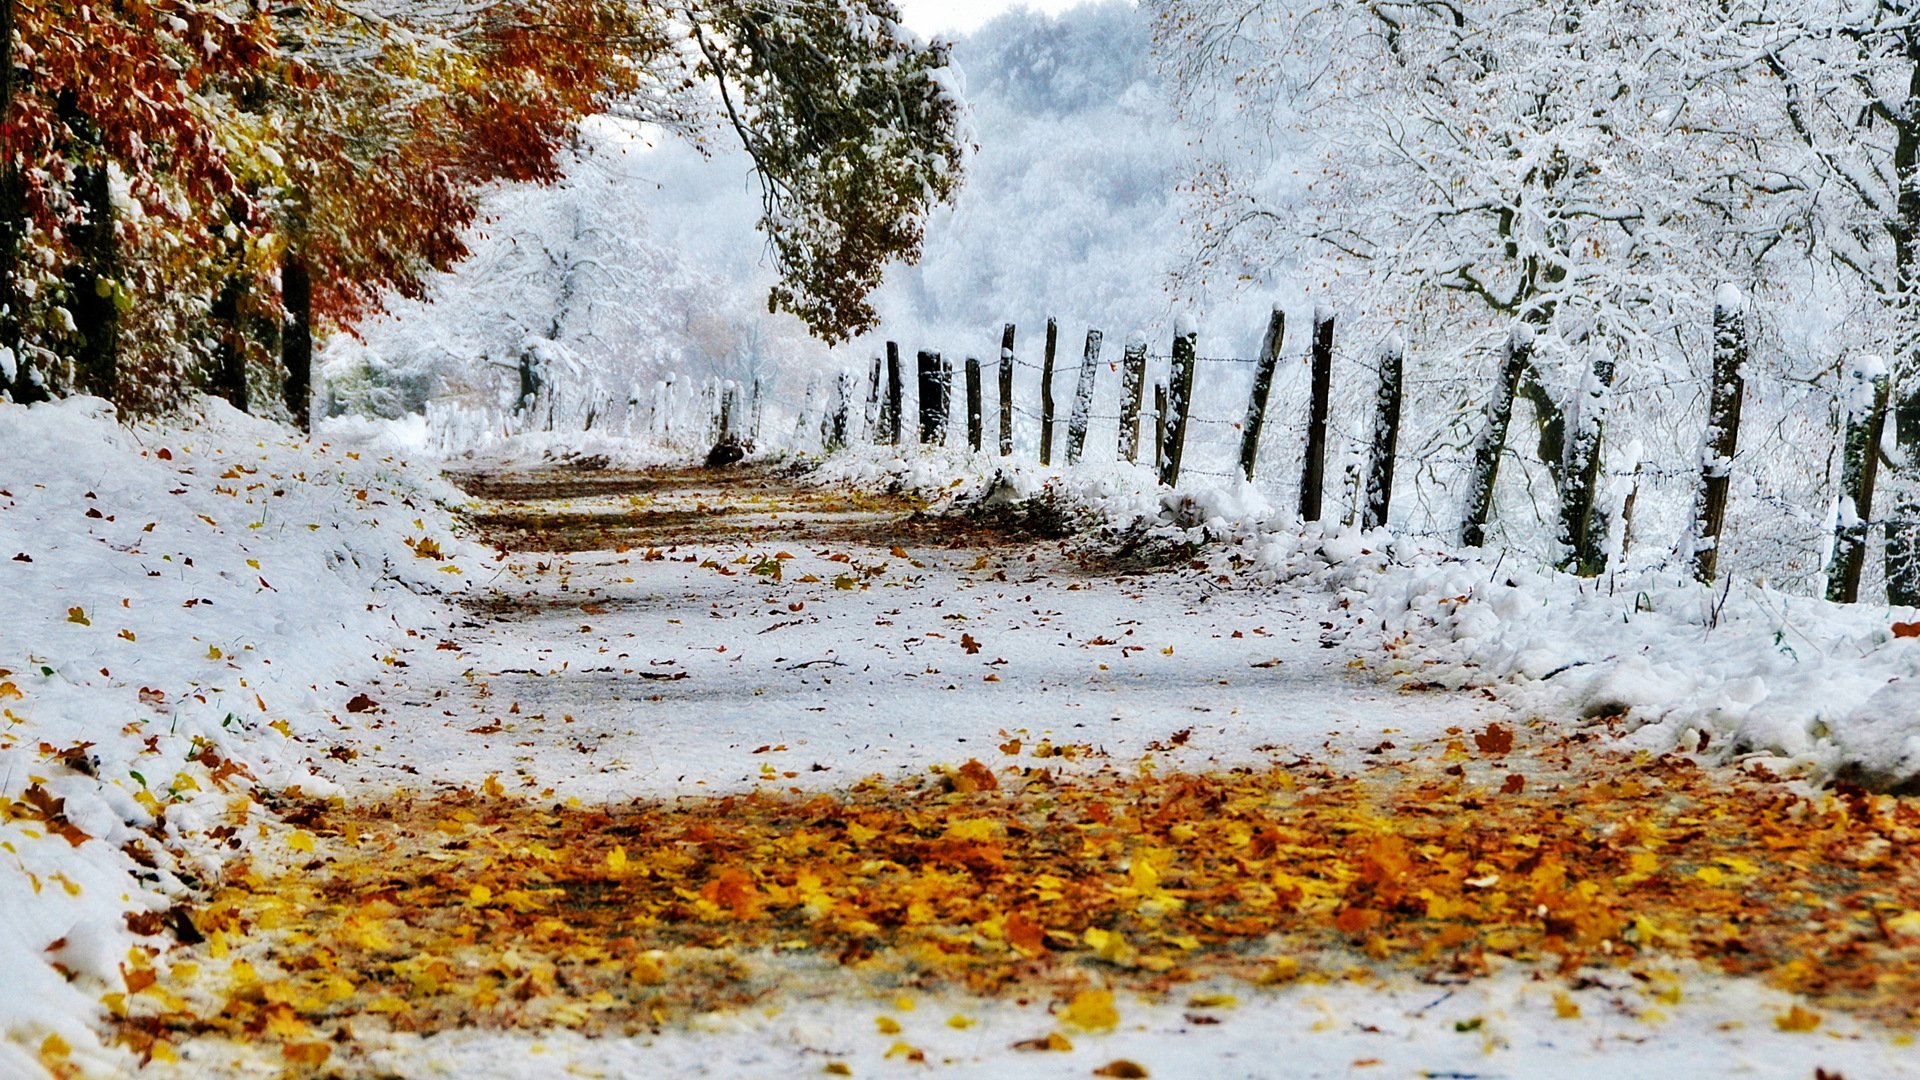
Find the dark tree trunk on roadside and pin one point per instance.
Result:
(296, 343)
(1723, 433)
(1860, 467)
(230, 346)
(1493, 440)
(94, 284)
(1582, 532)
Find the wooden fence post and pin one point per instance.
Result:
(1866, 421)
(1133, 385)
(1386, 434)
(1313, 478)
(1493, 439)
(1262, 389)
(755, 402)
(874, 382)
(1046, 393)
(1723, 428)
(1082, 414)
(1186, 351)
(974, 406)
(935, 390)
(837, 432)
(892, 410)
(1160, 428)
(1006, 391)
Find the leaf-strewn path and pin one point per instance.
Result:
(729, 776)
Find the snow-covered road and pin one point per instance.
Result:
(883, 645)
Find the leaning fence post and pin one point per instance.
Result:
(1723, 428)
(891, 411)
(974, 406)
(1133, 384)
(874, 380)
(1046, 393)
(1186, 350)
(1386, 434)
(1493, 439)
(1313, 478)
(1160, 428)
(1006, 391)
(1083, 398)
(1866, 421)
(1262, 389)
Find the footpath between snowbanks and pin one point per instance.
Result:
(181, 600)
(1797, 685)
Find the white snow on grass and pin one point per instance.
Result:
(182, 601)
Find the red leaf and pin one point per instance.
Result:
(362, 703)
(1906, 629)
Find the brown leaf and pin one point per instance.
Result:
(1496, 740)
(968, 643)
(1514, 784)
(1906, 629)
(1123, 1068)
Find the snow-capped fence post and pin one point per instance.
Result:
(755, 402)
(1263, 371)
(1159, 428)
(842, 406)
(730, 410)
(1386, 434)
(1723, 428)
(1006, 391)
(1046, 393)
(1082, 414)
(1866, 392)
(974, 406)
(1179, 404)
(891, 411)
(1493, 439)
(935, 390)
(1133, 385)
(1313, 477)
(873, 400)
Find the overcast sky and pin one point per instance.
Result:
(959, 16)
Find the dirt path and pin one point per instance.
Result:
(727, 776)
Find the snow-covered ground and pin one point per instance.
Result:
(182, 603)
(256, 605)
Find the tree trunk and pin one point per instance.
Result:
(94, 282)
(230, 346)
(1046, 393)
(1723, 431)
(1858, 472)
(1902, 557)
(1584, 538)
(1179, 405)
(1313, 478)
(1082, 414)
(1256, 423)
(296, 345)
(1386, 435)
(1493, 439)
(15, 376)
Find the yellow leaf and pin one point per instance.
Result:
(1797, 1019)
(837, 1068)
(8, 690)
(480, 895)
(905, 1050)
(617, 860)
(300, 840)
(127, 635)
(1212, 1001)
(972, 829)
(162, 1051)
(214, 653)
(54, 1049)
(887, 1025)
(282, 727)
(78, 615)
(1091, 1010)
(1565, 1007)
(491, 787)
(961, 1021)
(859, 833)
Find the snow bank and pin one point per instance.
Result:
(1823, 691)
(188, 608)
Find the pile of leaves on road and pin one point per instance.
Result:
(1052, 876)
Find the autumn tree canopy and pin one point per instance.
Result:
(190, 188)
